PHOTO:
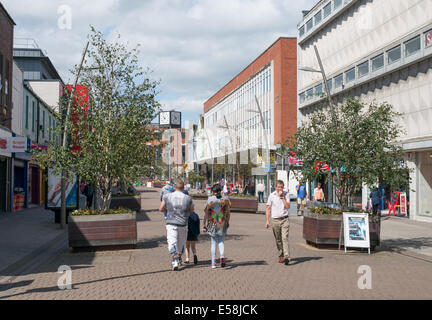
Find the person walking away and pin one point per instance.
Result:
(278, 205)
(216, 223)
(167, 189)
(178, 207)
(261, 190)
(375, 197)
(88, 192)
(251, 189)
(319, 194)
(301, 198)
(192, 237)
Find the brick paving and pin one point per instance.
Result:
(253, 271)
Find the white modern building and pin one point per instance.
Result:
(377, 50)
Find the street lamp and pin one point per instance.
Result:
(268, 163)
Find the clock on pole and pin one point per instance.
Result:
(170, 119)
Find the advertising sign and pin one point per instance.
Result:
(403, 203)
(54, 192)
(14, 144)
(428, 36)
(356, 230)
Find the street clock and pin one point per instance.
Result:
(170, 119)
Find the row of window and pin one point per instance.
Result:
(393, 55)
(320, 15)
(52, 123)
(257, 86)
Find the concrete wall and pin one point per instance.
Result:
(49, 91)
(17, 99)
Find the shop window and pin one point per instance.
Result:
(363, 69)
(327, 9)
(319, 90)
(378, 62)
(309, 94)
(412, 46)
(394, 55)
(337, 3)
(350, 75)
(330, 84)
(428, 38)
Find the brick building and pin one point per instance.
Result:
(272, 79)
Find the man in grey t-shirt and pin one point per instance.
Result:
(178, 207)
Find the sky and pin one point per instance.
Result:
(194, 47)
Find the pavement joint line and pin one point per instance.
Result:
(19, 266)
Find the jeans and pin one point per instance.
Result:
(261, 197)
(217, 240)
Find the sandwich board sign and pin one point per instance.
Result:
(356, 230)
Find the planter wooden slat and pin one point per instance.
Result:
(104, 230)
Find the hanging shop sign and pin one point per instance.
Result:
(14, 144)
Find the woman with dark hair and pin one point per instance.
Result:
(216, 222)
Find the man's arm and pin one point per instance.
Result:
(286, 203)
(162, 207)
(268, 216)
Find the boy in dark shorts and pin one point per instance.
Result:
(192, 237)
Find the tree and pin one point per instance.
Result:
(108, 130)
(355, 141)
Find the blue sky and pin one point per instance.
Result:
(193, 46)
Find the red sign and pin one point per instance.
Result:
(428, 36)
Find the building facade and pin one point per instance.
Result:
(376, 50)
(254, 112)
(6, 79)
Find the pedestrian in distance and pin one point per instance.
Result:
(319, 194)
(301, 198)
(261, 190)
(178, 207)
(375, 197)
(278, 205)
(216, 223)
(192, 237)
(251, 189)
(88, 192)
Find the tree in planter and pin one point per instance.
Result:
(356, 141)
(109, 128)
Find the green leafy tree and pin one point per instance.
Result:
(108, 137)
(356, 141)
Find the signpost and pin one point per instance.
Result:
(356, 230)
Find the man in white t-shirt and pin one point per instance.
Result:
(278, 205)
(261, 189)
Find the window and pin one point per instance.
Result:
(337, 3)
(330, 84)
(43, 124)
(363, 69)
(327, 9)
(302, 97)
(33, 117)
(378, 62)
(412, 46)
(319, 90)
(350, 75)
(302, 31)
(27, 112)
(309, 94)
(309, 24)
(338, 81)
(394, 55)
(318, 17)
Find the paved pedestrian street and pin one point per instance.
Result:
(252, 272)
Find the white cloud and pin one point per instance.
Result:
(194, 46)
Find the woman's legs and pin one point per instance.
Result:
(213, 249)
(194, 251)
(187, 250)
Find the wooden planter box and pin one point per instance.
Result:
(102, 230)
(237, 204)
(157, 185)
(325, 229)
(130, 202)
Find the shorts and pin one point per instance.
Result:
(301, 201)
(192, 237)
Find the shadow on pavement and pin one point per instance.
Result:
(295, 261)
(398, 245)
(142, 215)
(8, 286)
